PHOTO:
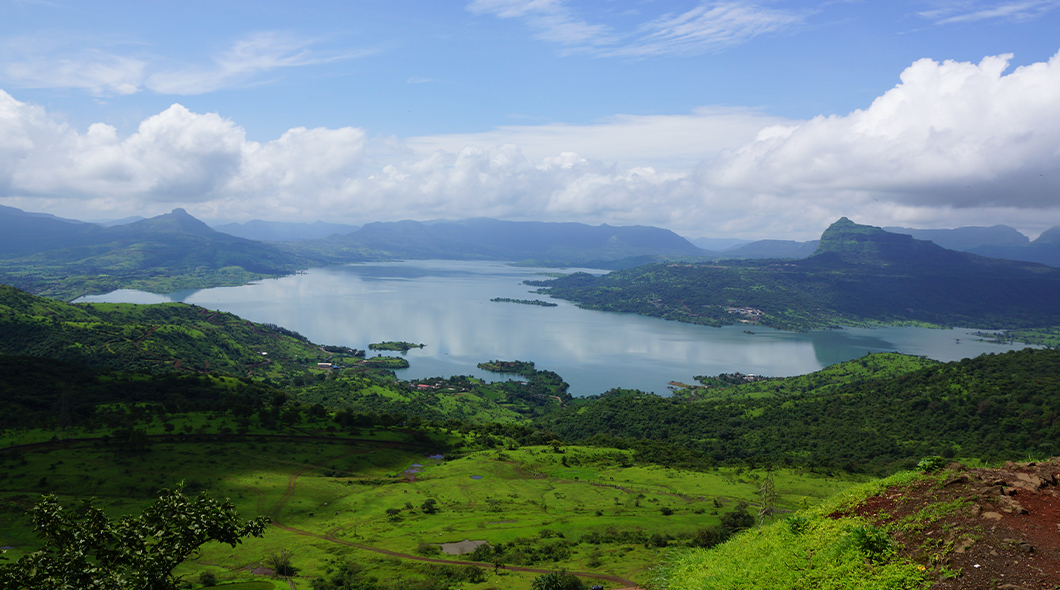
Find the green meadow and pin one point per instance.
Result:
(339, 499)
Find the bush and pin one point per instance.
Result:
(281, 563)
(931, 464)
(560, 580)
(207, 579)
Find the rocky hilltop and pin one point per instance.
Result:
(995, 528)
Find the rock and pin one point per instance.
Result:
(1011, 587)
(977, 510)
(1026, 547)
(963, 545)
(991, 515)
(960, 479)
(1033, 480)
(955, 466)
(1007, 504)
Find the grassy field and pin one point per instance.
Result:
(329, 499)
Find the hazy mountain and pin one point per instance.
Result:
(719, 244)
(279, 231)
(23, 233)
(122, 221)
(998, 241)
(175, 250)
(1045, 249)
(491, 239)
(772, 249)
(966, 239)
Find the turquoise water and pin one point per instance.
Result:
(446, 305)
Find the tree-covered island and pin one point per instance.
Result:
(396, 345)
(537, 302)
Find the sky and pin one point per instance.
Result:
(720, 119)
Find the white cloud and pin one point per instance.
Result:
(953, 144)
(666, 142)
(262, 52)
(31, 62)
(709, 27)
(952, 134)
(971, 11)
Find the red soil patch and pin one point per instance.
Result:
(1005, 534)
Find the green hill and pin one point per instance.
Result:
(167, 253)
(859, 415)
(859, 274)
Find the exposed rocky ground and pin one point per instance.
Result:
(979, 528)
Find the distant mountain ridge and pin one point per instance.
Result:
(858, 274)
(492, 239)
(172, 251)
(998, 241)
(279, 231)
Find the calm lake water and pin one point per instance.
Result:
(446, 305)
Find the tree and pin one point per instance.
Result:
(85, 550)
(560, 580)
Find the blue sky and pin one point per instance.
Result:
(718, 119)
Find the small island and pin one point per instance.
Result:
(524, 301)
(386, 362)
(394, 345)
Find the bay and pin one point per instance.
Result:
(446, 305)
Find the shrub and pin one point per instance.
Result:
(560, 580)
(281, 563)
(931, 464)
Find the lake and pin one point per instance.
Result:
(446, 305)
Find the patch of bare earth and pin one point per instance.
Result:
(1001, 529)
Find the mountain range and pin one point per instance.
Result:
(564, 244)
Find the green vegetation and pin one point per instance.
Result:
(537, 302)
(338, 501)
(1048, 337)
(859, 275)
(394, 345)
(877, 414)
(366, 477)
(387, 362)
(822, 547)
(87, 550)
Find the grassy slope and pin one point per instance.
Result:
(813, 550)
(323, 513)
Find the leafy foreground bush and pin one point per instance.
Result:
(809, 550)
(85, 550)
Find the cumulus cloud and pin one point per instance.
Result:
(953, 143)
(708, 27)
(953, 134)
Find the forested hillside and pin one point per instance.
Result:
(858, 274)
(991, 407)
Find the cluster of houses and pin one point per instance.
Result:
(746, 311)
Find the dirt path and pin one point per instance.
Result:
(338, 541)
